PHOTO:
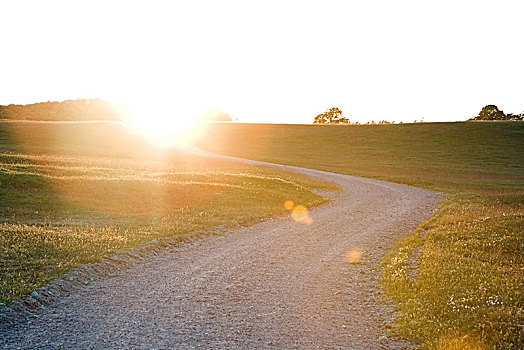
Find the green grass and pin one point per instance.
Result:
(71, 193)
(468, 289)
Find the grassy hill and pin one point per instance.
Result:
(70, 193)
(467, 290)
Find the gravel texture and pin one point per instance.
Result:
(273, 284)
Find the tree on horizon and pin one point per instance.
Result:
(331, 116)
(492, 112)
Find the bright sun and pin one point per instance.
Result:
(162, 125)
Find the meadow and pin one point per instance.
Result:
(458, 279)
(72, 193)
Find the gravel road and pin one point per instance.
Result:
(274, 284)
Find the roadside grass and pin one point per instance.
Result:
(458, 279)
(72, 193)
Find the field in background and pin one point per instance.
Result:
(71, 193)
(467, 290)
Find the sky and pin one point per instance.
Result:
(268, 61)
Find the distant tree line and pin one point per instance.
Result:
(492, 112)
(372, 122)
(489, 112)
(82, 110)
(334, 116)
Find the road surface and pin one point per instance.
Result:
(275, 284)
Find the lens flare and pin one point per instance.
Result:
(289, 205)
(353, 256)
(301, 214)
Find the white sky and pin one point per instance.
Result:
(268, 61)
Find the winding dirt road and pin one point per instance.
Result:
(276, 284)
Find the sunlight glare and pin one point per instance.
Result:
(163, 124)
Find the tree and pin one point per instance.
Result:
(490, 112)
(331, 116)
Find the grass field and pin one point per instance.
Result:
(71, 193)
(467, 292)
